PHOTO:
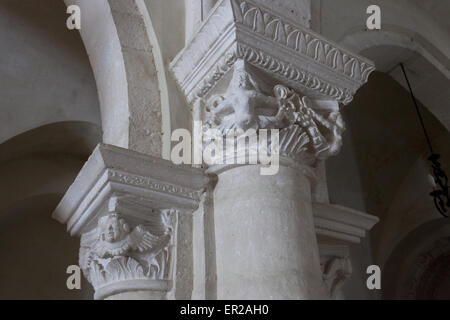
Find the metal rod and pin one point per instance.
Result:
(417, 109)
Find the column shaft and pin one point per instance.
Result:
(266, 246)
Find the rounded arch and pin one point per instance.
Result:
(45, 159)
(129, 71)
(361, 41)
(407, 23)
(427, 66)
(418, 267)
(412, 31)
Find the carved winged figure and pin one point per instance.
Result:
(112, 244)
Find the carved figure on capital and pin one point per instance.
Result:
(113, 251)
(304, 128)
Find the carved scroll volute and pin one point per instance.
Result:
(120, 254)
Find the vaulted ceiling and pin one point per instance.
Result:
(414, 32)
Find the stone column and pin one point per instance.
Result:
(265, 238)
(249, 69)
(266, 246)
(274, 242)
(126, 208)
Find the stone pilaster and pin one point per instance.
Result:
(126, 208)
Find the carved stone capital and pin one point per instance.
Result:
(283, 50)
(125, 206)
(124, 253)
(336, 267)
(250, 68)
(305, 130)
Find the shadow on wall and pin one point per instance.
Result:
(382, 146)
(36, 251)
(419, 266)
(36, 168)
(44, 160)
(75, 139)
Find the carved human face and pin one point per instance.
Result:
(113, 229)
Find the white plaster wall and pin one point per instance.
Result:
(341, 18)
(45, 75)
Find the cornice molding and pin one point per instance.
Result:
(294, 55)
(341, 225)
(113, 171)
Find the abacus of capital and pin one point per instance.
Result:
(154, 230)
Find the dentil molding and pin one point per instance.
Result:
(293, 55)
